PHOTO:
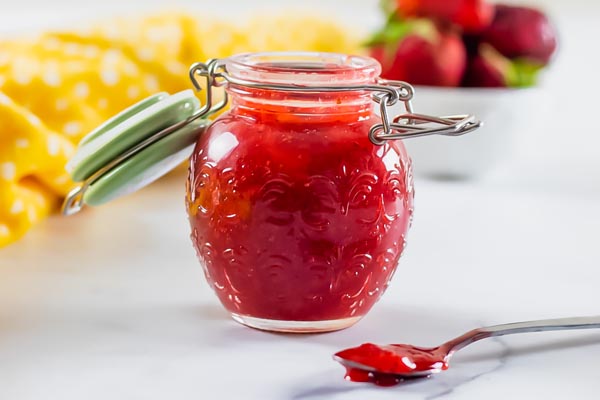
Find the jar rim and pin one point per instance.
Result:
(304, 68)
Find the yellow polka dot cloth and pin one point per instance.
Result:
(56, 87)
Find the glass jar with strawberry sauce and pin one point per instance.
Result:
(299, 197)
(297, 216)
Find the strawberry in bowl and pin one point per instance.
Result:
(467, 55)
(521, 32)
(420, 52)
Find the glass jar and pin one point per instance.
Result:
(297, 217)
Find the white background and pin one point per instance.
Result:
(112, 303)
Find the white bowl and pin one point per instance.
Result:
(506, 113)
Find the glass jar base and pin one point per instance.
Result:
(295, 326)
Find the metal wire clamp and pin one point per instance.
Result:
(386, 93)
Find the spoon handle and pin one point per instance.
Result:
(558, 324)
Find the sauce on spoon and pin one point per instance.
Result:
(393, 363)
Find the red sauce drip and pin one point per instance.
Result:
(359, 375)
(393, 362)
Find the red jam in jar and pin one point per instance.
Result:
(298, 219)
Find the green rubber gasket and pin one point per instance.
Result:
(146, 166)
(128, 129)
(122, 116)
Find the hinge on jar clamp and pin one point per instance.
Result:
(386, 93)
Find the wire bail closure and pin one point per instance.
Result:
(386, 93)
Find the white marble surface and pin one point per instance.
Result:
(112, 304)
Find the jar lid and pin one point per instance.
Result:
(134, 148)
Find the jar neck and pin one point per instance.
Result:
(296, 106)
(256, 79)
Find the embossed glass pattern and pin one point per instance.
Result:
(297, 218)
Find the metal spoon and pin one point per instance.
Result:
(437, 358)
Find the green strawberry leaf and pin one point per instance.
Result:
(392, 32)
(396, 29)
(517, 73)
(523, 73)
(388, 6)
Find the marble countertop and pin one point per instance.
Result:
(113, 304)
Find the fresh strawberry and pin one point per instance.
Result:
(418, 52)
(471, 15)
(489, 68)
(521, 32)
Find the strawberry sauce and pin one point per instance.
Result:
(394, 363)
